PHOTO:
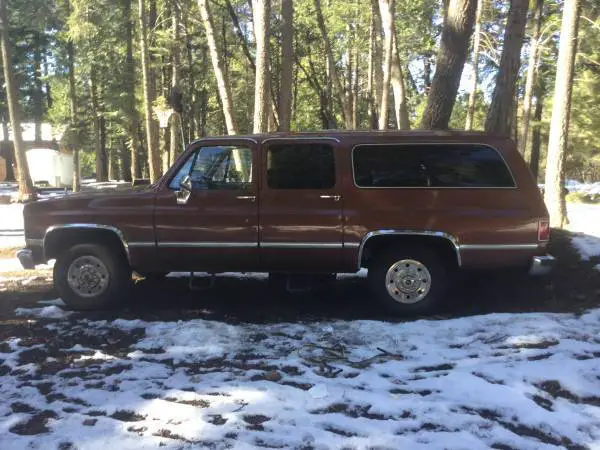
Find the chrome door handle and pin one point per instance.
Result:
(335, 198)
(252, 198)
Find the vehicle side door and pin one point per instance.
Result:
(301, 225)
(216, 227)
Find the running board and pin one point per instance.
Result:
(205, 285)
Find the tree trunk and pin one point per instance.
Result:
(561, 109)
(287, 65)
(26, 191)
(386, 9)
(532, 69)
(99, 142)
(130, 169)
(261, 10)
(74, 129)
(475, 63)
(399, 88)
(375, 75)
(536, 133)
(499, 117)
(175, 128)
(192, 104)
(37, 94)
(452, 54)
(332, 69)
(217, 62)
(153, 155)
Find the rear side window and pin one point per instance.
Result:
(431, 165)
(300, 166)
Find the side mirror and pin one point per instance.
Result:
(183, 195)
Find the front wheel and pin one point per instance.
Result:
(408, 280)
(89, 276)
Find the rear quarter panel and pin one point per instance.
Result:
(476, 217)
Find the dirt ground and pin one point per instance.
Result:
(573, 287)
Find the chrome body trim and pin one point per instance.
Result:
(301, 138)
(542, 265)
(351, 244)
(302, 245)
(142, 244)
(171, 244)
(93, 226)
(222, 138)
(26, 259)
(429, 233)
(430, 187)
(499, 246)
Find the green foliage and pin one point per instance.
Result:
(98, 30)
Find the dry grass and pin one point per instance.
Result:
(8, 252)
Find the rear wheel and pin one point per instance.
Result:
(408, 279)
(89, 276)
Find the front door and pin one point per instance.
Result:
(217, 229)
(301, 206)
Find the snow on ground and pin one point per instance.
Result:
(11, 226)
(525, 381)
(585, 220)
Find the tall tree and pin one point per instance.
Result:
(532, 68)
(536, 132)
(261, 10)
(73, 132)
(386, 10)
(130, 110)
(175, 140)
(26, 191)
(375, 83)
(475, 64)
(561, 110)
(399, 88)
(287, 65)
(500, 115)
(334, 76)
(452, 54)
(153, 155)
(218, 67)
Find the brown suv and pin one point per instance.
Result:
(411, 207)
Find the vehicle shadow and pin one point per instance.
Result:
(574, 286)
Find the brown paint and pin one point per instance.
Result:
(283, 218)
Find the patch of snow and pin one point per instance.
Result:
(14, 265)
(583, 220)
(47, 312)
(55, 302)
(470, 383)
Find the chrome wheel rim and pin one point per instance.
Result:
(88, 276)
(408, 281)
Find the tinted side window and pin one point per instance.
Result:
(444, 165)
(300, 166)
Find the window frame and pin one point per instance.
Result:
(414, 144)
(193, 155)
(323, 140)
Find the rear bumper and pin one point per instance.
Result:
(26, 258)
(542, 265)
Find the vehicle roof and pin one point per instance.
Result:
(355, 133)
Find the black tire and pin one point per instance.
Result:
(432, 262)
(115, 271)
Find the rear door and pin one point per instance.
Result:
(300, 205)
